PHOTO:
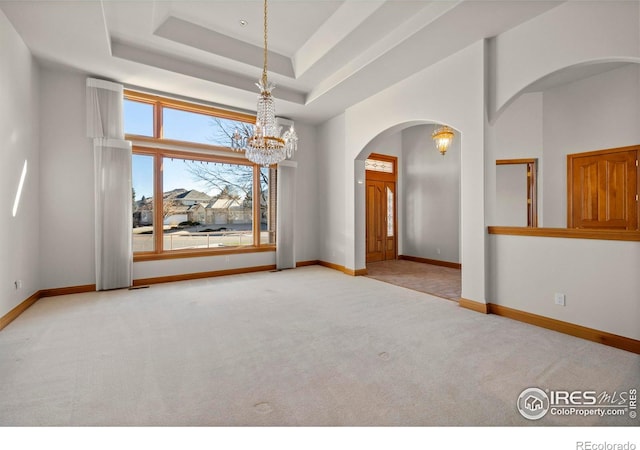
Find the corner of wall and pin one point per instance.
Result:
(19, 170)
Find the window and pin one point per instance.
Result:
(138, 118)
(268, 181)
(197, 127)
(377, 165)
(142, 169)
(194, 203)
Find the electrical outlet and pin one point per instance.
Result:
(560, 299)
(438, 250)
(18, 284)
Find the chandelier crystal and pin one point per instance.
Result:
(266, 145)
(442, 136)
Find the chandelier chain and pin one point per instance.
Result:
(264, 67)
(267, 144)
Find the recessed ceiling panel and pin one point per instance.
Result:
(290, 24)
(195, 69)
(196, 36)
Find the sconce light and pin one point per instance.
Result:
(442, 136)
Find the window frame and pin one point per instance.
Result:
(160, 148)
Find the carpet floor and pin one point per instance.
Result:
(440, 281)
(304, 347)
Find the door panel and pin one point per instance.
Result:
(390, 222)
(375, 221)
(381, 221)
(615, 187)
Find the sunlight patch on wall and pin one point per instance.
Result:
(16, 202)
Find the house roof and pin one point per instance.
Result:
(173, 193)
(193, 195)
(224, 203)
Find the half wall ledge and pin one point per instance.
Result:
(573, 233)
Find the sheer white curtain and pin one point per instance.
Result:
(114, 262)
(286, 212)
(104, 109)
(112, 169)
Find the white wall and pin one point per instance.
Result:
(19, 122)
(452, 92)
(431, 201)
(331, 190)
(66, 182)
(572, 33)
(600, 280)
(386, 144)
(599, 112)
(164, 268)
(307, 212)
(516, 133)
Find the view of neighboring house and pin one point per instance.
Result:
(183, 205)
(197, 213)
(177, 204)
(143, 212)
(226, 210)
(189, 198)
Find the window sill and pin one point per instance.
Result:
(568, 233)
(179, 254)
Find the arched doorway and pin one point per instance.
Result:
(411, 208)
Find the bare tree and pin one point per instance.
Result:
(220, 177)
(217, 175)
(223, 131)
(230, 180)
(170, 207)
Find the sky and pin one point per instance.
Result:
(178, 125)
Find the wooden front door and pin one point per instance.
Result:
(380, 214)
(603, 188)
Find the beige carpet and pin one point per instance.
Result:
(309, 346)
(440, 281)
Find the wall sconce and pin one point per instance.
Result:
(442, 136)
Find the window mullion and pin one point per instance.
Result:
(157, 120)
(256, 206)
(158, 220)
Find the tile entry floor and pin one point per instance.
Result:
(435, 280)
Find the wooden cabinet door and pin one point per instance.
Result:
(602, 190)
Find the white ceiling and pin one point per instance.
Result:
(325, 55)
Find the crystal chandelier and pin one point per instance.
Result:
(266, 146)
(442, 137)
